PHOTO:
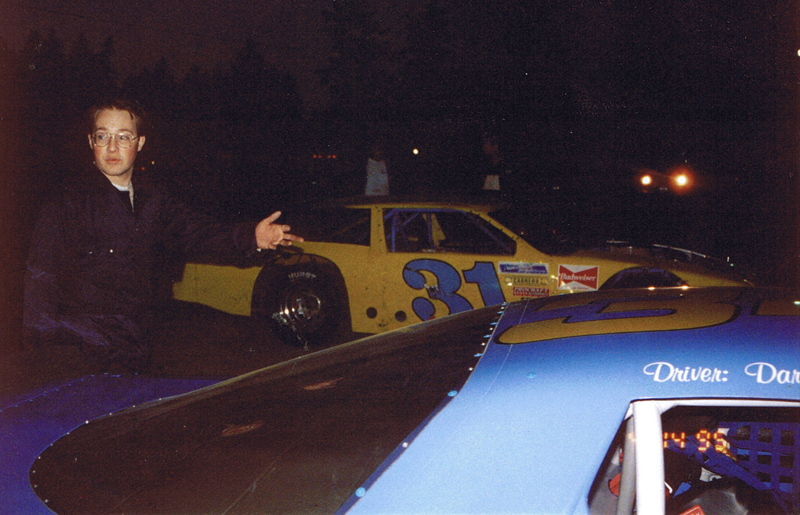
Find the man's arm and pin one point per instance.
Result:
(40, 307)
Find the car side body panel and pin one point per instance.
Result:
(388, 290)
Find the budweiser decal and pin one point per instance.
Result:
(578, 278)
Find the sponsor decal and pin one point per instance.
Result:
(524, 268)
(523, 280)
(525, 291)
(578, 278)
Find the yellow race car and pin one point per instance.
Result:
(370, 266)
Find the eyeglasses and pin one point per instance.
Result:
(101, 139)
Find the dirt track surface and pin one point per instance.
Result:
(189, 341)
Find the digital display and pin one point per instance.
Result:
(703, 440)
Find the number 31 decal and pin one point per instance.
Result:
(448, 282)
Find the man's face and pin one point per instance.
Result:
(116, 162)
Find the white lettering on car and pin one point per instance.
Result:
(766, 373)
(663, 372)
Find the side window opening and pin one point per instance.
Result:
(407, 231)
(333, 225)
(444, 230)
(712, 459)
(467, 233)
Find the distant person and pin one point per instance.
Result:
(377, 173)
(92, 269)
(496, 174)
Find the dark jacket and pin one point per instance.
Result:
(93, 254)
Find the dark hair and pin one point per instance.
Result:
(134, 108)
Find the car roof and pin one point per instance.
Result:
(548, 394)
(413, 202)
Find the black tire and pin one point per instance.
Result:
(305, 304)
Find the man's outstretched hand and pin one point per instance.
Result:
(269, 235)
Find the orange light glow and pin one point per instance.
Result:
(681, 178)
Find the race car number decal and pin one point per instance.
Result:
(448, 282)
(565, 319)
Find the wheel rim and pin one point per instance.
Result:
(300, 309)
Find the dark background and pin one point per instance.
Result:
(273, 105)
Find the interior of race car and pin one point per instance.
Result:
(443, 230)
(717, 460)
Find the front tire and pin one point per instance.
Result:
(303, 303)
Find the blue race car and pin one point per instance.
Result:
(662, 401)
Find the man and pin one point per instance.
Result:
(95, 251)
